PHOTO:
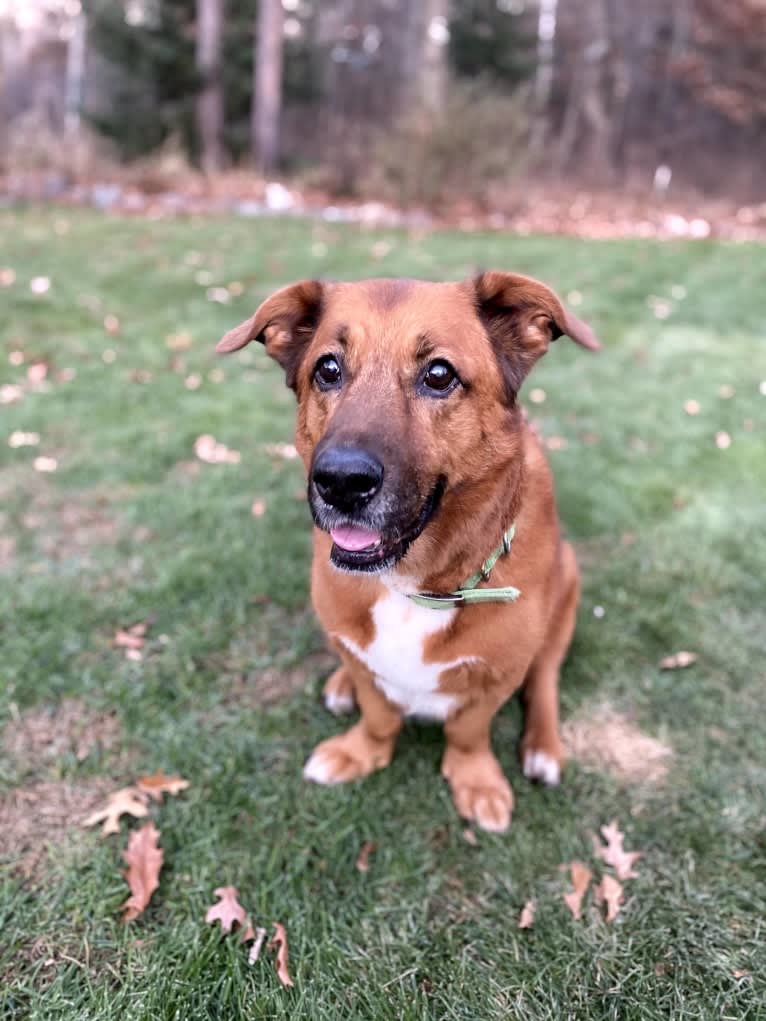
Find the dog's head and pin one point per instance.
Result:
(406, 395)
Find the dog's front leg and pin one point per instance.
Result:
(479, 789)
(367, 746)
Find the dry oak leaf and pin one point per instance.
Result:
(614, 853)
(228, 911)
(158, 784)
(678, 661)
(144, 860)
(581, 877)
(126, 801)
(279, 943)
(610, 892)
(527, 916)
(363, 858)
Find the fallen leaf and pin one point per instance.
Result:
(470, 837)
(581, 877)
(144, 859)
(40, 285)
(209, 450)
(527, 916)
(363, 858)
(10, 393)
(193, 381)
(726, 391)
(610, 892)
(279, 942)
(255, 949)
(132, 639)
(45, 464)
(126, 801)
(178, 341)
(556, 443)
(7, 276)
(722, 440)
(228, 911)
(741, 973)
(111, 324)
(158, 784)
(537, 396)
(678, 661)
(21, 439)
(287, 451)
(37, 373)
(216, 375)
(16, 358)
(692, 407)
(614, 854)
(258, 509)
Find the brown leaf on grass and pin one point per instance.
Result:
(158, 784)
(208, 449)
(678, 661)
(259, 508)
(609, 891)
(363, 858)
(279, 943)
(37, 373)
(144, 858)
(255, 949)
(228, 911)
(614, 853)
(581, 877)
(126, 801)
(111, 324)
(527, 916)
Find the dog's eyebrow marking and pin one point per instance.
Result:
(342, 336)
(425, 346)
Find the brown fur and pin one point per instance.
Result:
(492, 330)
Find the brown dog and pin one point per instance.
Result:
(439, 572)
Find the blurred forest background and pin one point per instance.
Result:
(430, 104)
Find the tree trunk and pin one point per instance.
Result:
(424, 55)
(210, 98)
(267, 84)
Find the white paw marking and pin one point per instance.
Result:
(339, 704)
(491, 822)
(317, 769)
(539, 766)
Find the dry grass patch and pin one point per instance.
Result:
(609, 740)
(44, 818)
(275, 683)
(38, 738)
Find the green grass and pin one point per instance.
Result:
(125, 530)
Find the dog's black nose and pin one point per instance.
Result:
(346, 477)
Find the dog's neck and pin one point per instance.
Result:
(469, 526)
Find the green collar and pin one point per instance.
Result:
(468, 592)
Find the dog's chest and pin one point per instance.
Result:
(395, 656)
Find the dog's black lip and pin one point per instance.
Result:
(389, 552)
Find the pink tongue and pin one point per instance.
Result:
(354, 539)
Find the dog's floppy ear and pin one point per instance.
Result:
(284, 323)
(522, 316)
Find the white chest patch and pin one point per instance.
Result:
(395, 655)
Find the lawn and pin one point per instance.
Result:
(666, 509)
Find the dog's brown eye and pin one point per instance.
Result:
(327, 373)
(440, 377)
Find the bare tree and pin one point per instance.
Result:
(210, 99)
(267, 84)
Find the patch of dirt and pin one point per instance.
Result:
(43, 735)
(43, 818)
(266, 687)
(68, 529)
(609, 740)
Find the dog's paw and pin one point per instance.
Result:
(349, 756)
(338, 693)
(541, 766)
(480, 791)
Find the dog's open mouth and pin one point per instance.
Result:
(356, 547)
